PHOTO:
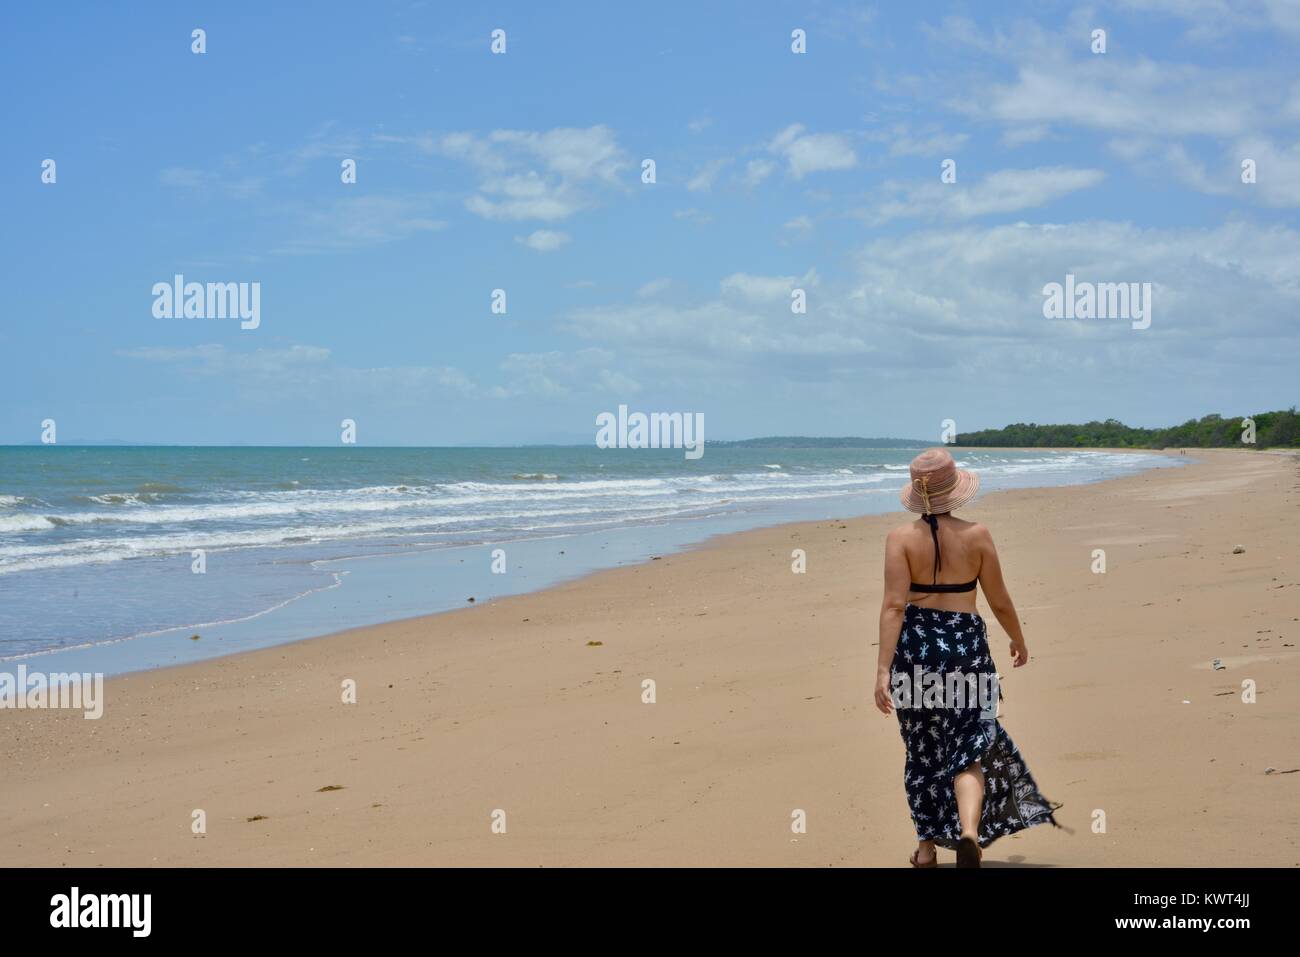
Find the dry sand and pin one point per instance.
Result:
(763, 707)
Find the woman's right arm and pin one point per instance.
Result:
(999, 599)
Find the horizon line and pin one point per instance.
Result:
(112, 443)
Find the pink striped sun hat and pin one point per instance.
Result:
(937, 485)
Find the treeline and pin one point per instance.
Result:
(1272, 430)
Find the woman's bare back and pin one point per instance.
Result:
(962, 550)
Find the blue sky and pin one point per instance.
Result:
(522, 171)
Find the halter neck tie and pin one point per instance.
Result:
(933, 522)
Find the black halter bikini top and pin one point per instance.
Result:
(934, 587)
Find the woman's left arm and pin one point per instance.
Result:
(898, 581)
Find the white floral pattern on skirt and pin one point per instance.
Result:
(943, 739)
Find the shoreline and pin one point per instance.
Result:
(763, 687)
(373, 588)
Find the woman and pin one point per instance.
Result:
(966, 783)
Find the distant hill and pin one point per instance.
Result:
(813, 442)
(1272, 430)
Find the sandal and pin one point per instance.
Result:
(968, 853)
(932, 862)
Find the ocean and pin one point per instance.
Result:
(112, 558)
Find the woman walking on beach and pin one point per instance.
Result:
(966, 782)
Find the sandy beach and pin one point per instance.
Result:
(533, 705)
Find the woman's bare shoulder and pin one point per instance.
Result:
(900, 533)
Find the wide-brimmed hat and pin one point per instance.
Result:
(937, 484)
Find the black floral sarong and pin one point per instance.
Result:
(945, 730)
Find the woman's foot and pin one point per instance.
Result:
(924, 855)
(968, 851)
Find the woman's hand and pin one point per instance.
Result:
(1019, 654)
(884, 702)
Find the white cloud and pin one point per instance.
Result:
(308, 371)
(963, 307)
(756, 171)
(1212, 20)
(243, 173)
(1231, 281)
(654, 287)
(927, 141)
(1137, 98)
(575, 154)
(766, 288)
(300, 362)
(812, 152)
(1059, 85)
(704, 179)
(211, 352)
(548, 175)
(323, 145)
(544, 240)
(1020, 135)
(525, 196)
(1277, 171)
(1004, 191)
(617, 383)
(356, 221)
(207, 181)
(692, 214)
(694, 341)
(556, 374)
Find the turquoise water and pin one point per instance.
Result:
(98, 544)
